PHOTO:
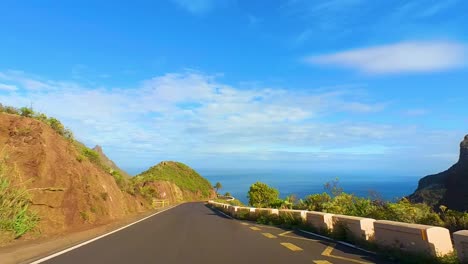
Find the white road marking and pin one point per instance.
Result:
(96, 238)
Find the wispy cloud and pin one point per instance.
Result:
(398, 58)
(423, 8)
(199, 7)
(7, 87)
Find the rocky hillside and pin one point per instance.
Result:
(175, 181)
(67, 188)
(449, 188)
(51, 184)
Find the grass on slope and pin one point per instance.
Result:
(178, 173)
(15, 216)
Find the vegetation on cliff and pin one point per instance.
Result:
(336, 201)
(186, 178)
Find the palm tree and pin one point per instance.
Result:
(218, 186)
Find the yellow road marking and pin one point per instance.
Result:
(246, 224)
(254, 228)
(327, 252)
(267, 226)
(269, 235)
(322, 262)
(285, 234)
(291, 246)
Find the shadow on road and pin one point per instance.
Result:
(216, 212)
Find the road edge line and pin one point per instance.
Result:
(96, 238)
(339, 242)
(225, 214)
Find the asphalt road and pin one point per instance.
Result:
(194, 233)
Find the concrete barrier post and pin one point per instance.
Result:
(358, 227)
(320, 221)
(461, 245)
(259, 212)
(243, 212)
(416, 238)
(293, 216)
(233, 211)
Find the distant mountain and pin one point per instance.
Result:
(449, 188)
(175, 181)
(108, 162)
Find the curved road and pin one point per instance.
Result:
(194, 233)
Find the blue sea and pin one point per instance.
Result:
(303, 183)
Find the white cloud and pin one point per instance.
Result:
(7, 87)
(190, 115)
(398, 58)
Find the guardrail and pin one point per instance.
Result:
(227, 198)
(160, 203)
(415, 238)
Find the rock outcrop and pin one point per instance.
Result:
(108, 162)
(449, 188)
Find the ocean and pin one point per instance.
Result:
(303, 183)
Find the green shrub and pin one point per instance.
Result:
(289, 220)
(56, 125)
(454, 220)
(271, 219)
(148, 192)
(26, 111)
(41, 117)
(314, 202)
(405, 211)
(262, 195)
(85, 216)
(91, 155)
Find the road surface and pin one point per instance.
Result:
(194, 233)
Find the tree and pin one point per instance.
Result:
(227, 194)
(262, 195)
(218, 186)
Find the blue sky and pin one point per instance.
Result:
(338, 85)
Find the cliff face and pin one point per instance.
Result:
(449, 188)
(66, 191)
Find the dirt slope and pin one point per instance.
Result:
(67, 192)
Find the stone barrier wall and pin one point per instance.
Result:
(409, 237)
